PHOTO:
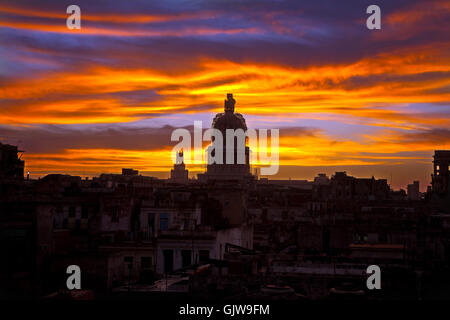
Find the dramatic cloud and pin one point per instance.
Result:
(108, 95)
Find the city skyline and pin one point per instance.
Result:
(345, 98)
(225, 157)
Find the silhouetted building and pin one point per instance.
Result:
(129, 172)
(179, 174)
(344, 187)
(414, 191)
(222, 236)
(441, 172)
(11, 166)
(235, 121)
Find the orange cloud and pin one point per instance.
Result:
(260, 88)
(371, 89)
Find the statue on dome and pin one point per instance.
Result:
(229, 103)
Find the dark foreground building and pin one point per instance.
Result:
(226, 235)
(11, 166)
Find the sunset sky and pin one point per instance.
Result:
(108, 96)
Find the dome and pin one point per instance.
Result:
(224, 121)
(239, 167)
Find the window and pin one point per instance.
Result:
(186, 258)
(163, 221)
(204, 255)
(115, 214)
(128, 259)
(84, 212)
(72, 211)
(360, 237)
(187, 224)
(151, 220)
(168, 260)
(146, 262)
(264, 214)
(437, 168)
(383, 238)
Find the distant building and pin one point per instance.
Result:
(11, 166)
(414, 191)
(321, 179)
(179, 174)
(344, 187)
(129, 172)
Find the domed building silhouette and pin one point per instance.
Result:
(236, 169)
